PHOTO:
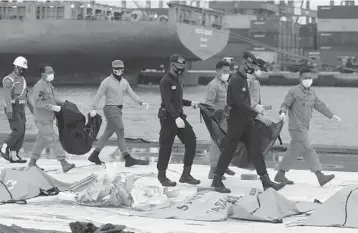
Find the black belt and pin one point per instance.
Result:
(118, 106)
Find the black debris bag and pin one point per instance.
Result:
(267, 135)
(76, 136)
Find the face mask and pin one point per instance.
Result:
(50, 77)
(258, 73)
(20, 70)
(307, 82)
(224, 77)
(177, 70)
(117, 73)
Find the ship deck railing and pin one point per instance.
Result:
(94, 18)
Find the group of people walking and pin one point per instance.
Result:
(235, 89)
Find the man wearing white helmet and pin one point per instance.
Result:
(113, 88)
(16, 96)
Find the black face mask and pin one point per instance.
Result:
(249, 70)
(177, 70)
(20, 70)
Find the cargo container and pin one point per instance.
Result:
(269, 38)
(286, 28)
(307, 42)
(286, 40)
(283, 59)
(337, 12)
(301, 51)
(259, 48)
(308, 30)
(234, 33)
(295, 40)
(312, 54)
(297, 29)
(337, 48)
(297, 51)
(289, 28)
(282, 41)
(290, 39)
(294, 28)
(337, 25)
(338, 38)
(268, 56)
(266, 25)
(271, 26)
(238, 21)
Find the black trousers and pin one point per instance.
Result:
(241, 128)
(18, 126)
(167, 135)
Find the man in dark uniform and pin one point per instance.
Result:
(16, 96)
(241, 126)
(173, 123)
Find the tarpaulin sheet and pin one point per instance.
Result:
(268, 206)
(26, 183)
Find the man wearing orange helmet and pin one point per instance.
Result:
(16, 96)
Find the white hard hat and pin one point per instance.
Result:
(21, 62)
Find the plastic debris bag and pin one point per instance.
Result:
(149, 194)
(140, 192)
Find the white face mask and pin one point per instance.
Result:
(50, 77)
(307, 82)
(224, 77)
(258, 73)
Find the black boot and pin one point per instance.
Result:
(162, 177)
(281, 178)
(18, 158)
(33, 163)
(219, 185)
(229, 172)
(130, 161)
(66, 166)
(267, 183)
(324, 179)
(187, 178)
(6, 155)
(94, 157)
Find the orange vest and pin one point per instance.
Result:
(19, 89)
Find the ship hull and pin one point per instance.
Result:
(79, 47)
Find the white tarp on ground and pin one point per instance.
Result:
(269, 206)
(340, 210)
(26, 183)
(140, 192)
(203, 206)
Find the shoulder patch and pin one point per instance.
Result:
(7, 83)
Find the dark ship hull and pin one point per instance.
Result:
(82, 50)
